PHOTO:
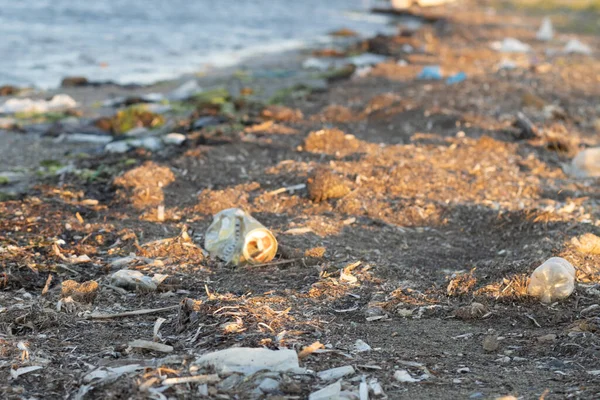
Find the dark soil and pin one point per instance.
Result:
(426, 215)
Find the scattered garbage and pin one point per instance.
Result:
(403, 376)
(360, 346)
(546, 31)
(59, 102)
(553, 280)
(511, 45)
(151, 143)
(247, 360)
(174, 138)
(575, 46)
(331, 392)
(456, 78)
(586, 164)
(336, 373)
(235, 237)
(431, 72)
(132, 280)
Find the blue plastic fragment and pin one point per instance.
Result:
(456, 78)
(431, 72)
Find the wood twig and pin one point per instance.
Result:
(95, 315)
(214, 378)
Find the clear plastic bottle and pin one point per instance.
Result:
(235, 237)
(553, 280)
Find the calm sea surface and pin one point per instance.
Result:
(142, 41)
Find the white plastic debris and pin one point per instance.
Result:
(361, 346)
(119, 147)
(546, 31)
(403, 376)
(235, 237)
(85, 138)
(174, 138)
(15, 373)
(331, 392)
(59, 102)
(248, 360)
(110, 374)
(511, 45)
(376, 388)
(553, 280)
(586, 164)
(336, 373)
(132, 280)
(363, 390)
(574, 46)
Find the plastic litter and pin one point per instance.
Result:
(247, 361)
(553, 280)
(511, 45)
(336, 373)
(366, 59)
(586, 164)
(456, 78)
(235, 237)
(546, 31)
(59, 102)
(331, 392)
(431, 72)
(132, 280)
(574, 46)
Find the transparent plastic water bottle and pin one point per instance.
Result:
(553, 280)
(235, 237)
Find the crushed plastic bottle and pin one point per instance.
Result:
(553, 280)
(586, 164)
(546, 31)
(235, 237)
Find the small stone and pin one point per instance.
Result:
(230, 382)
(324, 184)
(269, 385)
(472, 311)
(551, 337)
(490, 343)
(463, 370)
(8, 90)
